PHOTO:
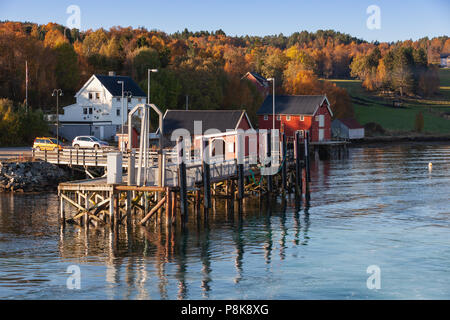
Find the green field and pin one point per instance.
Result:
(370, 107)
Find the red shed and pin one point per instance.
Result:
(298, 113)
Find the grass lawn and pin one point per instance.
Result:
(370, 107)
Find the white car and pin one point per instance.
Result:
(89, 142)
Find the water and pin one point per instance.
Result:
(381, 207)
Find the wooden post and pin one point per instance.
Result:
(111, 210)
(61, 210)
(84, 157)
(298, 168)
(45, 155)
(168, 206)
(308, 176)
(284, 163)
(269, 154)
(240, 164)
(174, 207)
(57, 156)
(182, 180)
(70, 157)
(206, 178)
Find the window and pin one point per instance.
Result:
(302, 118)
(97, 96)
(140, 100)
(288, 118)
(278, 118)
(118, 112)
(90, 110)
(90, 95)
(118, 99)
(302, 133)
(129, 100)
(266, 117)
(85, 111)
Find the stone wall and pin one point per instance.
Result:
(31, 176)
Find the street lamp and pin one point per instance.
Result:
(57, 93)
(148, 85)
(273, 107)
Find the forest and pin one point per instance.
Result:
(208, 66)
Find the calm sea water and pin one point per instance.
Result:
(381, 206)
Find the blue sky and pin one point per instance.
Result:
(400, 20)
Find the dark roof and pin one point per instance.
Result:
(261, 80)
(305, 105)
(211, 119)
(351, 123)
(110, 83)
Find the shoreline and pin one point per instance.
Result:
(386, 140)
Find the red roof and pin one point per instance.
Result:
(351, 123)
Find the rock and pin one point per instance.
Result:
(30, 176)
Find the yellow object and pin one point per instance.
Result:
(44, 143)
(430, 166)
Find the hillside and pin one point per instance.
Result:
(370, 107)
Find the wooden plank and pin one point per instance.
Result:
(154, 209)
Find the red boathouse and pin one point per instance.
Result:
(298, 113)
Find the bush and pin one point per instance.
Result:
(419, 123)
(18, 127)
(373, 128)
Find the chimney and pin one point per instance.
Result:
(112, 73)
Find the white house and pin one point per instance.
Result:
(445, 60)
(98, 108)
(347, 129)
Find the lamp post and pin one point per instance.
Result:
(273, 107)
(57, 93)
(148, 84)
(123, 121)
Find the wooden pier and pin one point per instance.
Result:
(178, 187)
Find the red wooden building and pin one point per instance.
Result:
(261, 83)
(298, 113)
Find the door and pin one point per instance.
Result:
(321, 134)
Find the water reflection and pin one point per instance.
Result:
(251, 252)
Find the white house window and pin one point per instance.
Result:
(129, 100)
(90, 96)
(85, 110)
(118, 112)
(90, 110)
(278, 118)
(118, 99)
(97, 96)
(288, 118)
(266, 117)
(302, 118)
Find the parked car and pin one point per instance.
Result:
(45, 143)
(89, 142)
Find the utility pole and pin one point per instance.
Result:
(187, 102)
(58, 93)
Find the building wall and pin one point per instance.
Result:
(356, 133)
(323, 110)
(289, 127)
(104, 109)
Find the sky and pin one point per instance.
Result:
(398, 20)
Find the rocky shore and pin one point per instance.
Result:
(31, 176)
